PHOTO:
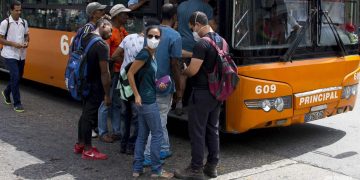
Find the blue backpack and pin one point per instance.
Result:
(76, 71)
(79, 33)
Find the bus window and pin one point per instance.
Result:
(31, 1)
(1, 8)
(260, 24)
(344, 16)
(113, 2)
(58, 19)
(65, 2)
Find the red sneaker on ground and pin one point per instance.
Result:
(93, 154)
(78, 149)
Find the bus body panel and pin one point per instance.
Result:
(47, 56)
(311, 78)
(305, 75)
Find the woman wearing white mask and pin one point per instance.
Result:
(144, 88)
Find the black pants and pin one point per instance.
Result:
(204, 112)
(129, 124)
(88, 117)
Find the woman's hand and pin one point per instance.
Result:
(138, 100)
(162, 86)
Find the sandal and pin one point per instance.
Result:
(163, 174)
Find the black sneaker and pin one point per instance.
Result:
(210, 170)
(7, 99)
(130, 150)
(19, 109)
(189, 173)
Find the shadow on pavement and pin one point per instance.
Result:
(48, 131)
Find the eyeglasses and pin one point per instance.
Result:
(150, 36)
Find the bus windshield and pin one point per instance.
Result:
(274, 24)
(344, 17)
(265, 24)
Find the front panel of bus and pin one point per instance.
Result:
(298, 61)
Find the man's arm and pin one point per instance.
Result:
(106, 80)
(5, 42)
(138, 5)
(194, 67)
(118, 55)
(175, 67)
(186, 54)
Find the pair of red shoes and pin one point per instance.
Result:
(92, 154)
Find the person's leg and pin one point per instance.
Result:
(152, 117)
(133, 128)
(212, 135)
(116, 106)
(102, 119)
(13, 86)
(198, 115)
(125, 124)
(164, 103)
(90, 115)
(140, 144)
(10, 65)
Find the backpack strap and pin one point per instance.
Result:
(7, 28)
(91, 43)
(222, 51)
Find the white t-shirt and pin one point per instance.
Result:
(132, 45)
(16, 33)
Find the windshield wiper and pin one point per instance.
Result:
(338, 40)
(299, 37)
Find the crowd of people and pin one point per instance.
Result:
(158, 61)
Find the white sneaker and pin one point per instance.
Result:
(94, 134)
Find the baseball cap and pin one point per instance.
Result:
(92, 7)
(118, 8)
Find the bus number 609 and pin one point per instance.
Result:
(266, 89)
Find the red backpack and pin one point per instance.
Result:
(224, 78)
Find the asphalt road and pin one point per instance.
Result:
(37, 144)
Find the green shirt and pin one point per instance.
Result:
(146, 77)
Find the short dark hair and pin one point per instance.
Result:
(152, 22)
(168, 11)
(103, 21)
(152, 27)
(200, 17)
(14, 3)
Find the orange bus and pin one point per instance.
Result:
(298, 60)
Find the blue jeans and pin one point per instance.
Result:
(16, 69)
(164, 103)
(115, 106)
(115, 112)
(149, 121)
(102, 121)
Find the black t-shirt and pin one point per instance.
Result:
(205, 51)
(98, 52)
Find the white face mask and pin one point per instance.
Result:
(196, 36)
(153, 43)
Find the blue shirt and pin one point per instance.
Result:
(145, 77)
(131, 2)
(184, 12)
(169, 47)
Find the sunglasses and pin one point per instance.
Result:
(150, 36)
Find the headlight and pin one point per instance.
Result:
(354, 90)
(279, 103)
(266, 105)
(346, 92)
(349, 91)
